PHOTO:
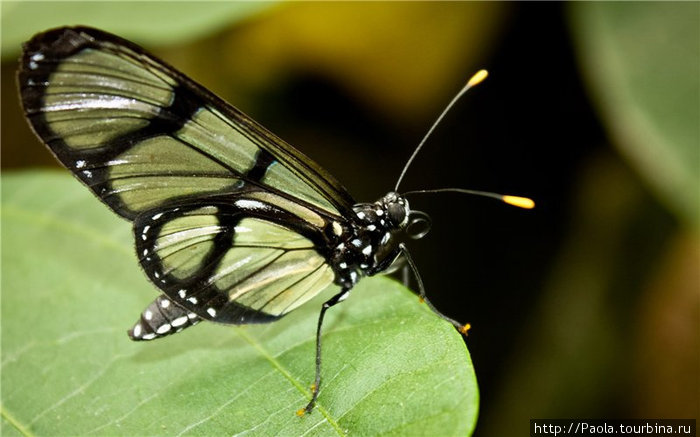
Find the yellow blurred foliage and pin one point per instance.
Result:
(407, 68)
(668, 343)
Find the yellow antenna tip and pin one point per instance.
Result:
(477, 78)
(520, 202)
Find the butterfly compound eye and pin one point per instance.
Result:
(397, 214)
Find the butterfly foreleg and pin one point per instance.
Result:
(462, 328)
(317, 381)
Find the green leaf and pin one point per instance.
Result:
(71, 286)
(146, 22)
(642, 63)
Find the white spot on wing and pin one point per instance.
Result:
(117, 162)
(182, 293)
(367, 250)
(211, 311)
(94, 102)
(137, 330)
(360, 215)
(250, 204)
(157, 216)
(148, 315)
(164, 303)
(162, 329)
(79, 163)
(192, 300)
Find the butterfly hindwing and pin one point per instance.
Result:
(247, 259)
(141, 135)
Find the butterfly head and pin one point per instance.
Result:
(396, 208)
(402, 218)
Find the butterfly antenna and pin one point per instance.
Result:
(520, 202)
(475, 80)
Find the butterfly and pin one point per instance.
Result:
(231, 223)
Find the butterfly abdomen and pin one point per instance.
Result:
(162, 317)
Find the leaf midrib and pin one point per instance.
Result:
(299, 386)
(10, 418)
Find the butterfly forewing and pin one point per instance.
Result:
(141, 135)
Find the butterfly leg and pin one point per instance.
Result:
(405, 271)
(317, 382)
(462, 328)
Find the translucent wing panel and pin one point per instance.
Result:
(183, 242)
(284, 282)
(140, 134)
(161, 169)
(271, 268)
(111, 66)
(223, 264)
(95, 96)
(281, 177)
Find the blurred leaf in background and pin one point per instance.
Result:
(616, 331)
(151, 23)
(642, 64)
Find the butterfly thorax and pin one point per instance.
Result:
(369, 245)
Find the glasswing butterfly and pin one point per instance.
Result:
(231, 223)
